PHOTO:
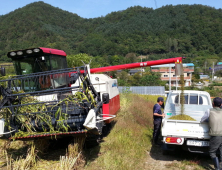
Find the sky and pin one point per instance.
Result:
(98, 8)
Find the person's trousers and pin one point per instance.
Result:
(215, 144)
(156, 130)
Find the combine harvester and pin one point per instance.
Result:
(46, 99)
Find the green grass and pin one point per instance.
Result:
(127, 144)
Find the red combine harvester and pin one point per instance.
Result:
(48, 99)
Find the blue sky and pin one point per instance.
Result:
(97, 8)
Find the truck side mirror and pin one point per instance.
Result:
(105, 98)
(3, 71)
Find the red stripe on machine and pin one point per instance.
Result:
(111, 108)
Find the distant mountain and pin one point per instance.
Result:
(40, 24)
(181, 29)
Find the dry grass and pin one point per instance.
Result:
(21, 163)
(29, 161)
(14, 160)
(67, 163)
(182, 165)
(217, 87)
(127, 144)
(73, 156)
(75, 148)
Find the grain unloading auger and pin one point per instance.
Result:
(48, 99)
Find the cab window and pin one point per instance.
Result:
(190, 99)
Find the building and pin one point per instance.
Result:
(204, 77)
(134, 71)
(218, 66)
(167, 75)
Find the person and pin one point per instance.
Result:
(157, 119)
(214, 117)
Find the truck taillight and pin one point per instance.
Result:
(173, 140)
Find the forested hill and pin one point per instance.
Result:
(182, 29)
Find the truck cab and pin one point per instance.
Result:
(189, 135)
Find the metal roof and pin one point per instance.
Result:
(53, 51)
(136, 70)
(145, 90)
(173, 65)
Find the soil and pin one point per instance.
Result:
(176, 160)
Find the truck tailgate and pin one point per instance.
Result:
(186, 129)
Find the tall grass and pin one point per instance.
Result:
(127, 144)
(29, 161)
(19, 155)
(73, 155)
(67, 163)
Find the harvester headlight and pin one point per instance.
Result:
(12, 54)
(36, 50)
(19, 53)
(28, 51)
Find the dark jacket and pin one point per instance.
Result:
(157, 109)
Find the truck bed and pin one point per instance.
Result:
(186, 129)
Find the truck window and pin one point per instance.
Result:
(193, 99)
(185, 99)
(205, 99)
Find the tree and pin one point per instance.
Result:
(151, 79)
(131, 57)
(218, 73)
(135, 80)
(123, 78)
(78, 59)
(169, 44)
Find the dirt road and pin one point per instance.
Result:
(176, 160)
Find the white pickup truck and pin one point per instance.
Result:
(188, 135)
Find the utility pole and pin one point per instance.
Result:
(213, 72)
(176, 83)
(141, 67)
(170, 79)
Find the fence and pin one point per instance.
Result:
(145, 90)
(9, 68)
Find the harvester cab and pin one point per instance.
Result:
(44, 60)
(37, 60)
(48, 99)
